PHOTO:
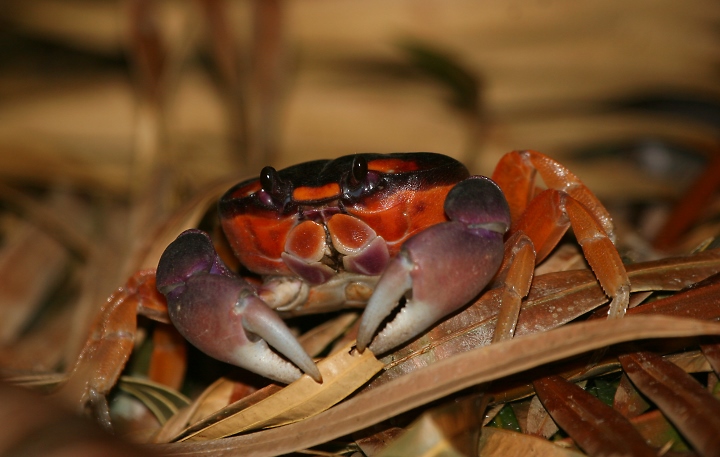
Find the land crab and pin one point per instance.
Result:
(413, 230)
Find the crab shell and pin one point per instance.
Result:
(322, 217)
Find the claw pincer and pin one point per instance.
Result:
(221, 315)
(441, 268)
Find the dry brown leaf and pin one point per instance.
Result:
(538, 420)
(343, 373)
(30, 263)
(217, 396)
(690, 361)
(173, 426)
(423, 439)
(693, 410)
(578, 371)
(596, 427)
(628, 400)
(491, 412)
(231, 406)
(371, 445)
(447, 430)
(496, 442)
(62, 218)
(36, 261)
(564, 258)
(316, 340)
(711, 352)
(41, 349)
(446, 377)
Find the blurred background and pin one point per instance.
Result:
(289, 81)
(115, 112)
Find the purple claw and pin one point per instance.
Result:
(440, 269)
(220, 313)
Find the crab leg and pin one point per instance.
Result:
(568, 202)
(168, 360)
(514, 279)
(562, 212)
(515, 174)
(439, 269)
(222, 315)
(110, 343)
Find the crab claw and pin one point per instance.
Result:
(441, 268)
(220, 313)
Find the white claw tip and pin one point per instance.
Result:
(315, 374)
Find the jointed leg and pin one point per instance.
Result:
(548, 217)
(514, 278)
(515, 174)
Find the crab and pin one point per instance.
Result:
(410, 236)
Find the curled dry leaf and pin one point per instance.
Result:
(693, 410)
(372, 444)
(446, 430)
(219, 395)
(40, 349)
(628, 400)
(162, 401)
(712, 354)
(691, 361)
(538, 420)
(343, 373)
(58, 218)
(596, 427)
(31, 262)
(224, 398)
(496, 442)
(425, 438)
(443, 378)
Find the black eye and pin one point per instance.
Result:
(360, 181)
(274, 192)
(359, 170)
(269, 180)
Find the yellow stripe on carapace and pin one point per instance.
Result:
(392, 165)
(316, 193)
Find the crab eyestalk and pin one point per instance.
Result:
(220, 313)
(440, 269)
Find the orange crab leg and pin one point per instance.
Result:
(515, 174)
(513, 279)
(169, 356)
(547, 218)
(111, 342)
